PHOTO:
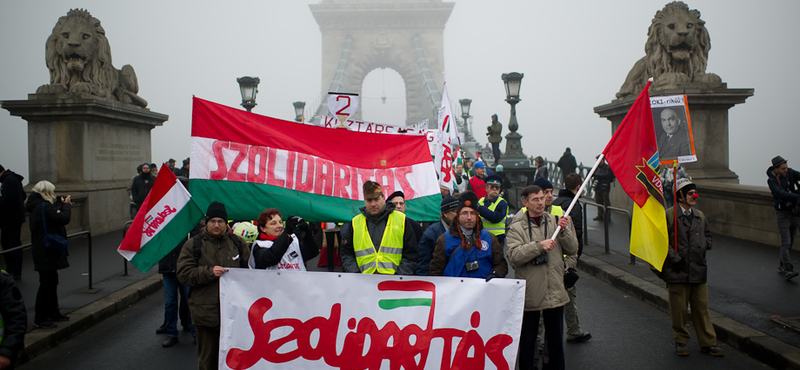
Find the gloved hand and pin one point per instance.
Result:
(291, 224)
(679, 266)
(570, 278)
(491, 276)
(302, 226)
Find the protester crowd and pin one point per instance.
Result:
(475, 237)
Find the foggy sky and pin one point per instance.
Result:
(575, 55)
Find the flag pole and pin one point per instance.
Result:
(675, 200)
(580, 191)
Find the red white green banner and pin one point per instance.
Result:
(250, 162)
(312, 320)
(166, 216)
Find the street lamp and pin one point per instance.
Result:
(465, 103)
(299, 110)
(513, 155)
(249, 87)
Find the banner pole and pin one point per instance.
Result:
(580, 191)
(675, 200)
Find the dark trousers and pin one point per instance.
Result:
(787, 226)
(10, 238)
(47, 296)
(329, 238)
(172, 290)
(207, 347)
(601, 197)
(553, 331)
(496, 152)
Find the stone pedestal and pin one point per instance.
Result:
(88, 148)
(708, 109)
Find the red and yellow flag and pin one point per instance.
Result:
(632, 154)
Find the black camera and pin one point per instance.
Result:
(540, 259)
(471, 266)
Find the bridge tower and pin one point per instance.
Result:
(359, 36)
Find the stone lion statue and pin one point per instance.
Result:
(676, 52)
(79, 59)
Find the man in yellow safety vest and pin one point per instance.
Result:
(494, 209)
(379, 239)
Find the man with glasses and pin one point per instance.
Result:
(540, 261)
(675, 140)
(494, 209)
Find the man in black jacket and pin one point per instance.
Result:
(12, 216)
(14, 321)
(685, 272)
(140, 187)
(173, 289)
(783, 183)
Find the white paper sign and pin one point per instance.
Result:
(342, 105)
(316, 320)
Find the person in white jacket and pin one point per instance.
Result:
(282, 248)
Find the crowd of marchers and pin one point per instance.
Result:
(475, 237)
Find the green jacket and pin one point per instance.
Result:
(215, 250)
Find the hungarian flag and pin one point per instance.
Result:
(165, 217)
(250, 163)
(632, 154)
(448, 134)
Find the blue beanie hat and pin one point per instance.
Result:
(543, 183)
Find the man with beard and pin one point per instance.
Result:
(466, 249)
(140, 187)
(448, 207)
(379, 239)
(12, 216)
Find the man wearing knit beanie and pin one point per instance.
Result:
(203, 259)
(466, 249)
(448, 208)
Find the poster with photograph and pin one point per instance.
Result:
(673, 129)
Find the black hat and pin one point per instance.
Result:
(493, 180)
(216, 209)
(543, 183)
(449, 203)
(186, 161)
(468, 199)
(396, 194)
(778, 160)
(171, 160)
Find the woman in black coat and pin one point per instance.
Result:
(47, 262)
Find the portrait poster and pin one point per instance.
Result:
(673, 126)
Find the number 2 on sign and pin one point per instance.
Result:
(341, 111)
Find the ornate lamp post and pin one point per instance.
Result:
(513, 156)
(249, 88)
(299, 111)
(465, 103)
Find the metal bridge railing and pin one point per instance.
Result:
(70, 236)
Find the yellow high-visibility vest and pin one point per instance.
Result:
(387, 258)
(496, 228)
(554, 210)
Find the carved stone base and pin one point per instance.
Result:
(88, 148)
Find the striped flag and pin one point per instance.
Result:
(448, 134)
(165, 217)
(251, 162)
(632, 155)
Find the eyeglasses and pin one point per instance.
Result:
(536, 200)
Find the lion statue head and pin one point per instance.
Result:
(78, 56)
(676, 51)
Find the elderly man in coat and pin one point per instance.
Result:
(540, 261)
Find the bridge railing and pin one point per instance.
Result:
(70, 236)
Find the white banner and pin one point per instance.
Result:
(314, 320)
(342, 105)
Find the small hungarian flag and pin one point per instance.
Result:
(165, 217)
(250, 163)
(632, 154)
